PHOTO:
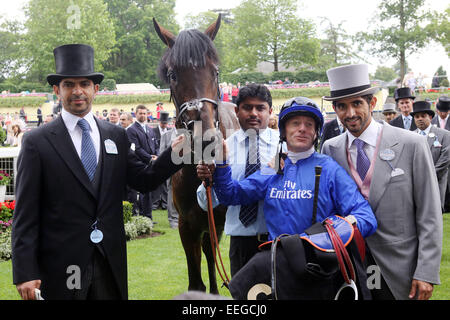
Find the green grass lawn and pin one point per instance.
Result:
(157, 266)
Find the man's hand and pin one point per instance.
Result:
(154, 157)
(272, 163)
(205, 171)
(26, 289)
(421, 289)
(177, 144)
(222, 155)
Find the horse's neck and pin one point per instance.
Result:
(189, 176)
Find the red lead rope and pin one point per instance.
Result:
(341, 252)
(214, 239)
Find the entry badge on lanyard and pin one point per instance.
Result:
(96, 234)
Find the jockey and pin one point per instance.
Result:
(289, 194)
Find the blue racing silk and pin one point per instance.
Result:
(288, 198)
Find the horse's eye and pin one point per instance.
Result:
(172, 76)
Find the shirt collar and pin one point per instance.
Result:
(369, 136)
(295, 156)
(408, 116)
(264, 135)
(427, 130)
(71, 120)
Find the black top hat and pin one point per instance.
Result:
(443, 104)
(74, 61)
(164, 117)
(422, 106)
(402, 93)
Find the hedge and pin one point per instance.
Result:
(303, 76)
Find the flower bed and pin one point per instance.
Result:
(135, 226)
(6, 214)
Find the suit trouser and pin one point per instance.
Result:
(145, 204)
(159, 195)
(97, 282)
(242, 249)
(382, 293)
(172, 213)
(132, 197)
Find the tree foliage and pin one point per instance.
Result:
(51, 23)
(138, 49)
(271, 31)
(399, 30)
(336, 48)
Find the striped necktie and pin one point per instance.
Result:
(88, 154)
(248, 213)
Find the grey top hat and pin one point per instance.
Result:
(74, 61)
(389, 108)
(422, 106)
(349, 81)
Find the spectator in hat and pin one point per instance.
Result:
(389, 112)
(159, 108)
(404, 100)
(438, 140)
(443, 111)
(159, 195)
(441, 121)
(394, 170)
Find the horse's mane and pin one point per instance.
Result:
(190, 50)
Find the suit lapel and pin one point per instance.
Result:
(382, 170)
(339, 153)
(59, 137)
(107, 162)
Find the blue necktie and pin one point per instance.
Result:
(362, 161)
(248, 213)
(407, 123)
(423, 133)
(88, 154)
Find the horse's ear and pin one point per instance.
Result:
(212, 30)
(165, 35)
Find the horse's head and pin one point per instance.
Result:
(190, 68)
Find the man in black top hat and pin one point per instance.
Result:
(159, 196)
(438, 140)
(68, 237)
(441, 121)
(443, 111)
(404, 99)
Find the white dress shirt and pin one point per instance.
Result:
(369, 136)
(237, 157)
(76, 133)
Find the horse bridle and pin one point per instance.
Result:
(194, 104)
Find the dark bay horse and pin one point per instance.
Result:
(190, 67)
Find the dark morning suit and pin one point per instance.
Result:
(160, 193)
(330, 130)
(398, 122)
(56, 205)
(436, 121)
(145, 147)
